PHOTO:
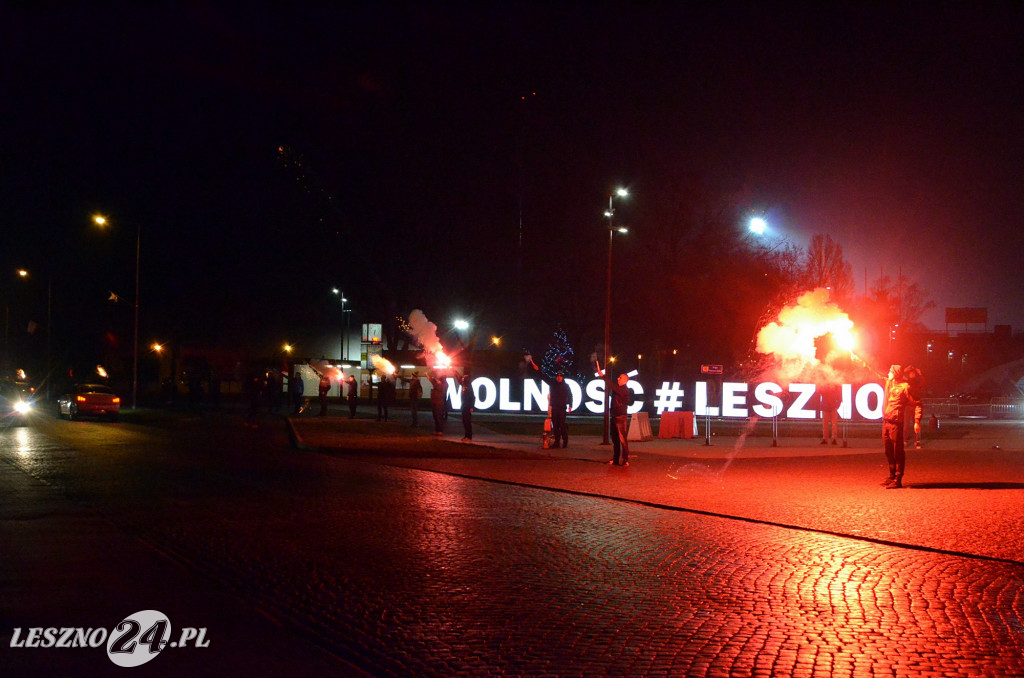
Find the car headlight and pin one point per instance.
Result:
(22, 407)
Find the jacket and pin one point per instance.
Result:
(898, 397)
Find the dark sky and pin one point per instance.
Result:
(411, 154)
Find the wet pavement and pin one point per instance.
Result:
(375, 549)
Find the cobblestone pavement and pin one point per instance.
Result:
(410, 571)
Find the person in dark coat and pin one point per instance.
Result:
(468, 404)
(438, 388)
(296, 387)
(561, 403)
(322, 391)
(619, 416)
(353, 396)
(385, 395)
(415, 393)
(829, 398)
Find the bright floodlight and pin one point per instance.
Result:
(758, 225)
(622, 193)
(461, 324)
(99, 220)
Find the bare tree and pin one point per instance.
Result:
(824, 266)
(903, 302)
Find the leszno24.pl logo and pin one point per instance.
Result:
(133, 642)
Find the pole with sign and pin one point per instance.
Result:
(715, 370)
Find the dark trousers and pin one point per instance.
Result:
(352, 402)
(559, 429)
(414, 407)
(382, 409)
(438, 417)
(467, 422)
(323, 404)
(620, 444)
(895, 453)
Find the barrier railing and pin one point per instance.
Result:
(998, 408)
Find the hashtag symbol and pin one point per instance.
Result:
(669, 397)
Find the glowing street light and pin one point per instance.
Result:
(287, 348)
(102, 221)
(758, 225)
(610, 213)
(461, 325)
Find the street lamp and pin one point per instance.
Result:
(610, 213)
(101, 221)
(344, 318)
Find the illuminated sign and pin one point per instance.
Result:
(736, 400)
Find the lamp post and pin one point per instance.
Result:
(610, 213)
(344, 318)
(101, 221)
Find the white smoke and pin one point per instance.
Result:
(424, 332)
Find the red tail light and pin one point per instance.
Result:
(117, 400)
(80, 399)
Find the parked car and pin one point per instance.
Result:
(95, 400)
(17, 401)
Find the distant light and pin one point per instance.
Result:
(23, 273)
(609, 213)
(621, 192)
(496, 341)
(157, 347)
(461, 324)
(287, 348)
(639, 356)
(622, 229)
(758, 225)
(99, 220)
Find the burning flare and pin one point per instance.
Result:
(382, 364)
(793, 336)
(811, 341)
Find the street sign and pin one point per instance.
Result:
(711, 369)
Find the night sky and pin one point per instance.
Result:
(400, 151)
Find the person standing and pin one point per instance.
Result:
(353, 396)
(296, 387)
(437, 401)
(560, 400)
(385, 394)
(915, 381)
(468, 403)
(415, 393)
(829, 399)
(324, 389)
(254, 389)
(619, 416)
(898, 398)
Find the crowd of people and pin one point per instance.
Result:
(902, 394)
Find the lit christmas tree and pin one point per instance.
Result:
(559, 357)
